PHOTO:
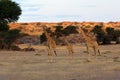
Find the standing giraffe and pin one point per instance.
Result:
(51, 44)
(90, 41)
(69, 47)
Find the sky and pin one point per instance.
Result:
(69, 10)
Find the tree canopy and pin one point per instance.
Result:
(9, 11)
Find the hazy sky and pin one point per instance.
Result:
(69, 10)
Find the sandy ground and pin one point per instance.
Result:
(15, 65)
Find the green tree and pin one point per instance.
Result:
(58, 31)
(116, 36)
(11, 36)
(100, 33)
(3, 27)
(9, 12)
(113, 34)
(58, 28)
(43, 38)
(106, 39)
(110, 32)
(69, 30)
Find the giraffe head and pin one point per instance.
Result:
(78, 29)
(44, 27)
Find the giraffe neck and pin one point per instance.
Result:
(86, 37)
(46, 34)
(67, 42)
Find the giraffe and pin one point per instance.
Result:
(69, 46)
(90, 41)
(51, 44)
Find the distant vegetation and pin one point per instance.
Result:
(59, 31)
(103, 36)
(107, 35)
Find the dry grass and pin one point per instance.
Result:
(29, 66)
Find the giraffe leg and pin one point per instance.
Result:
(89, 55)
(49, 55)
(95, 50)
(69, 52)
(88, 50)
(72, 52)
(55, 52)
(99, 52)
